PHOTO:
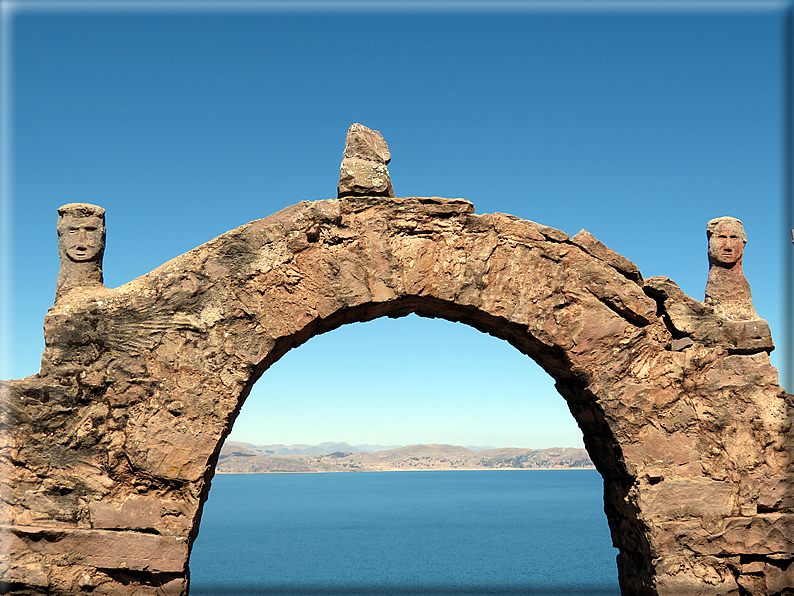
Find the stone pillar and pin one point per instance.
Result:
(363, 172)
(727, 289)
(81, 244)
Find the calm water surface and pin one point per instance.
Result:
(405, 533)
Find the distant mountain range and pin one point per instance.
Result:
(245, 458)
(300, 449)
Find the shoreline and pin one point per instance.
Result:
(556, 468)
(239, 459)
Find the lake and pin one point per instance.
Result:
(468, 533)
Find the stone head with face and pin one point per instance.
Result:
(81, 243)
(81, 232)
(727, 289)
(726, 241)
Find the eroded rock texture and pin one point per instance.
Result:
(107, 454)
(364, 170)
(727, 289)
(81, 244)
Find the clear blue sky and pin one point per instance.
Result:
(635, 122)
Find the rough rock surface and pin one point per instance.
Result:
(81, 244)
(107, 454)
(727, 289)
(363, 171)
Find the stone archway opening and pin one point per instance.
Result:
(622, 516)
(479, 373)
(392, 383)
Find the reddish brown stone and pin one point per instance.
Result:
(363, 171)
(598, 249)
(139, 513)
(727, 289)
(105, 549)
(703, 325)
(81, 243)
(679, 406)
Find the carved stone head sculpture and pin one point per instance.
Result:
(726, 241)
(727, 289)
(81, 243)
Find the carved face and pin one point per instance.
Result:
(725, 245)
(82, 238)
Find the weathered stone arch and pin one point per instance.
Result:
(109, 451)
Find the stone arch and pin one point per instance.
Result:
(111, 448)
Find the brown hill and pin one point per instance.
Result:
(239, 459)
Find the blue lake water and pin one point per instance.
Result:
(533, 532)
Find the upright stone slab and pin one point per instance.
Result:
(363, 172)
(81, 243)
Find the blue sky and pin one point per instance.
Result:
(184, 120)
